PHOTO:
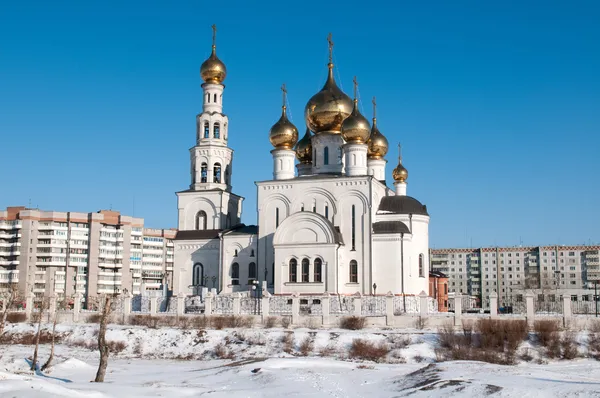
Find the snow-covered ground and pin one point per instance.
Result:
(260, 368)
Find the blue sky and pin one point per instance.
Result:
(497, 104)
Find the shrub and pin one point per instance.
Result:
(256, 339)
(398, 341)
(306, 346)
(419, 358)
(366, 350)
(313, 323)
(287, 341)
(116, 346)
(243, 322)
(549, 337)
(270, 322)
(222, 352)
(365, 367)
(286, 321)
(420, 323)
(328, 351)
(16, 317)
(353, 322)
(93, 318)
(220, 322)
(568, 346)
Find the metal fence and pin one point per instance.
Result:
(341, 305)
(373, 306)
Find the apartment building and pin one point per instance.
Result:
(547, 271)
(64, 253)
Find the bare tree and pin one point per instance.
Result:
(102, 343)
(8, 296)
(60, 305)
(40, 315)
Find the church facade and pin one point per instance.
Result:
(327, 221)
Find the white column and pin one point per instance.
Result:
(400, 188)
(209, 105)
(376, 168)
(283, 164)
(355, 156)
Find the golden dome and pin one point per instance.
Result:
(400, 173)
(304, 148)
(356, 128)
(327, 109)
(283, 134)
(378, 144)
(213, 70)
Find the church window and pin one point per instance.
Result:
(326, 156)
(317, 272)
(327, 212)
(201, 220)
(216, 131)
(215, 98)
(217, 173)
(302, 209)
(293, 264)
(251, 272)
(206, 130)
(235, 253)
(235, 274)
(227, 174)
(208, 97)
(228, 222)
(305, 269)
(353, 227)
(198, 274)
(252, 253)
(203, 172)
(421, 267)
(277, 217)
(315, 156)
(353, 271)
(314, 208)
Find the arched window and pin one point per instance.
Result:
(198, 275)
(277, 217)
(215, 98)
(327, 212)
(216, 131)
(235, 274)
(217, 173)
(201, 220)
(208, 97)
(353, 227)
(293, 265)
(203, 172)
(353, 271)
(235, 253)
(252, 253)
(206, 130)
(317, 271)
(421, 267)
(326, 156)
(251, 272)
(305, 269)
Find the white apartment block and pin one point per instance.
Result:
(64, 253)
(548, 272)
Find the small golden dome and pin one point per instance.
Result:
(378, 144)
(400, 174)
(356, 128)
(283, 134)
(213, 70)
(327, 109)
(304, 148)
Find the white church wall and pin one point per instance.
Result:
(189, 253)
(240, 249)
(386, 260)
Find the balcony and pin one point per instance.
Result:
(9, 262)
(152, 250)
(109, 265)
(11, 224)
(13, 244)
(4, 235)
(51, 263)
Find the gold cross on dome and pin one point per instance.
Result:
(374, 108)
(284, 92)
(330, 42)
(355, 86)
(214, 29)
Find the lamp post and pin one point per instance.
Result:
(374, 289)
(257, 293)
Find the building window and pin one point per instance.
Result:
(208, 97)
(198, 274)
(326, 156)
(214, 97)
(216, 131)
(421, 267)
(201, 220)
(317, 272)
(206, 130)
(353, 271)
(293, 264)
(235, 274)
(203, 172)
(217, 173)
(252, 253)
(305, 269)
(251, 272)
(353, 227)
(235, 253)
(277, 217)
(327, 212)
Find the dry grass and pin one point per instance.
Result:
(365, 367)
(287, 340)
(353, 322)
(398, 341)
(271, 322)
(16, 317)
(223, 352)
(312, 323)
(286, 321)
(594, 340)
(306, 346)
(548, 337)
(28, 338)
(328, 351)
(568, 346)
(114, 347)
(92, 318)
(366, 350)
(420, 323)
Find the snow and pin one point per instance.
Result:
(148, 367)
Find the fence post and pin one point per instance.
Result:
(389, 309)
(77, 307)
(29, 306)
(237, 304)
(153, 305)
(325, 308)
(208, 304)
(357, 304)
(295, 309)
(566, 310)
(493, 305)
(457, 309)
(265, 300)
(423, 304)
(530, 308)
(127, 305)
(180, 304)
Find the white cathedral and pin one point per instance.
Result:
(326, 223)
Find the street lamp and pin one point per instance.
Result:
(257, 293)
(375, 289)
